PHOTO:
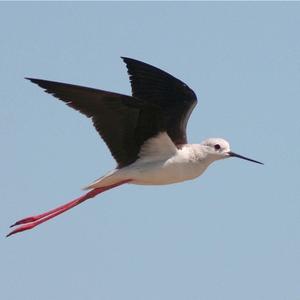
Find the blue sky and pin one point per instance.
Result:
(231, 234)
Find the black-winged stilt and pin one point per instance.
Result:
(145, 132)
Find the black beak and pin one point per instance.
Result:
(232, 154)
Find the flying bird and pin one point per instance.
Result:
(145, 133)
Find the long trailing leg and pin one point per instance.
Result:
(33, 221)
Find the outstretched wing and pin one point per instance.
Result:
(160, 103)
(123, 122)
(174, 97)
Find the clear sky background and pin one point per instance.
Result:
(233, 233)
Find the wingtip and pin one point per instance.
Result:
(129, 59)
(125, 59)
(34, 80)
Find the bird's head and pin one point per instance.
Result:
(218, 148)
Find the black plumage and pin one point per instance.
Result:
(159, 102)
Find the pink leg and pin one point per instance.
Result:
(33, 221)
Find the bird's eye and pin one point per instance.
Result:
(217, 147)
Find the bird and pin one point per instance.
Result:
(145, 133)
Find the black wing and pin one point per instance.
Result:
(174, 97)
(123, 122)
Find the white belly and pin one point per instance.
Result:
(166, 172)
(154, 169)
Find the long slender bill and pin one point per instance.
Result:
(232, 154)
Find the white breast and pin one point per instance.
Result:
(181, 166)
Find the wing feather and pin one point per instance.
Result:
(173, 96)
(122, 121)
